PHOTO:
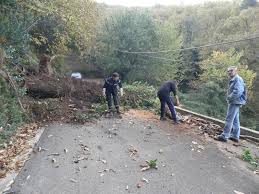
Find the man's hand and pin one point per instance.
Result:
(121, 92)
(177, 102)
(104, 92)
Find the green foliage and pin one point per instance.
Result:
(100, 108)
(248, 157)
(129, 30)
(152, 163)
(11, 115)
(215, 68)
(65, 26)
(188, 69)
(209, 99)
(140, 95)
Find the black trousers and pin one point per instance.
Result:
(115, 97)
(169, 101)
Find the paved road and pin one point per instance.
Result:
(180, 169)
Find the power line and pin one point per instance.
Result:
(167, 59)
(190, 48)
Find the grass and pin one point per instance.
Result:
(248, 157)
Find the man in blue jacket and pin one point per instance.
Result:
(236, 97)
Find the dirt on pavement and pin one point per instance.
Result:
(105, 158)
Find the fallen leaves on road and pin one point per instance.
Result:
(104, 161)
(145, 168)
(204, 125)
(149, 165)
(105, 171)
(145, 180)
(196, 146)
(54, 154)
(139, 185)
(194, 142)
(238, 192)
(39, 149)
(73, 181)
(84, 147)
(111, 132)
(54, 160)
(8, 154)
(79, 158)
(133, 151)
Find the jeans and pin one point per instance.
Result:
(232, 125)
(109, 96)
(169, 101)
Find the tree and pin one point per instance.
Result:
(188, 69)
(214, 68)
(65, 26)
(127, 31)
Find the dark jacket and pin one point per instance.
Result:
(112, 86)
(167, 88)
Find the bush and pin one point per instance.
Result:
(11, 115)
(140, 95)
(208, 100)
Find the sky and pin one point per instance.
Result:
(148, 3)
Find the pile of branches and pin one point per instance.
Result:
(204, 125)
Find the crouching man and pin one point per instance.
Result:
(111, 88)
(236, 97)
(165, 98)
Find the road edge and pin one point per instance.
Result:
(6, 183)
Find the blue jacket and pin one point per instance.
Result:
(237, 93)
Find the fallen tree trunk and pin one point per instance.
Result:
(48, 87)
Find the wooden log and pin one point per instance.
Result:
(48, 87)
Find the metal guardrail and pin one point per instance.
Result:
(244, 131)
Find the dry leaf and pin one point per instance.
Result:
(238, 192)
(73, 180)
(145, 168)
(201, 147)
(145, 180)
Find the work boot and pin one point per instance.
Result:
(176, 122)
(118, 111)
(221, 138)
(163, 119)
(234, 139)
(109, 112)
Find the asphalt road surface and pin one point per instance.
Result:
(105, 158)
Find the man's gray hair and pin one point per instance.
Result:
(232, 68)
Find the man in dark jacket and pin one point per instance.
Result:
(111, 88)
(165, 98)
